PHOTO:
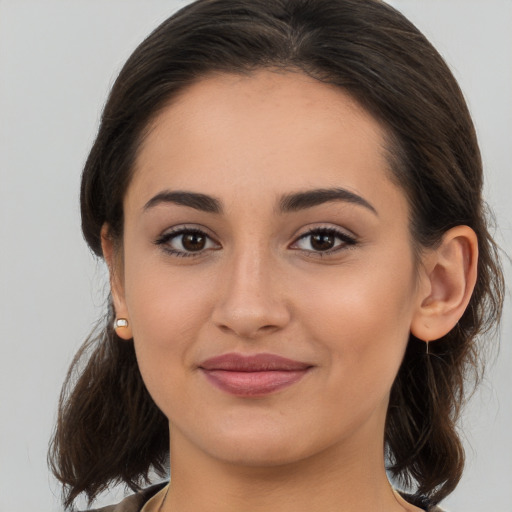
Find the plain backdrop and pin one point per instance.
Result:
(57, 62)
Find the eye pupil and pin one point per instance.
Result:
(193, 241)
(322, 241)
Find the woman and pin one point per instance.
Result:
(288, 197)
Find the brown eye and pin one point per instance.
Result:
(322, 241)
(186, 242)
(193, 241)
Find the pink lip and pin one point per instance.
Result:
(253, 375)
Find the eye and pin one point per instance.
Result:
(324, 241)
(186, 242)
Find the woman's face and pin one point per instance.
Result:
(261, 221)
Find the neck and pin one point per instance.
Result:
(342, 478)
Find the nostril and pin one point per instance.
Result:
(245, 331)
(268, 328)
(249, 315)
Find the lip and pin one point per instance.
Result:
(253, 375)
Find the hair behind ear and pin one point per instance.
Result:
(425, 401)
(108, 430)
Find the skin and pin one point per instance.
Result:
(261, 285)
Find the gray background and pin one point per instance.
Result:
(57, 62)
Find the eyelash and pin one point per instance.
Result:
(347, 241)
(167, 237)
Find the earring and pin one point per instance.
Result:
(120, 322)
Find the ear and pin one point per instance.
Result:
(113, 258)
(448, 278)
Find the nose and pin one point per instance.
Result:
(250, 301)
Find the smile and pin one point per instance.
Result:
(254, 375)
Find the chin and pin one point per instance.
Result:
(263, 445)
(259, 455)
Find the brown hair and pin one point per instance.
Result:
(109, 430)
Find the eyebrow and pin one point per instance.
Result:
(289, 203)
(308, 199)
(194, 200)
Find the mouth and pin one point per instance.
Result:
(253, 375)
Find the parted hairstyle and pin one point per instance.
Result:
(109, 430)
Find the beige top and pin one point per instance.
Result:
(154, 503)
(150, 500)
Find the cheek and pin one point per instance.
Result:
(166, 313)
(162, 310)
(361, 318)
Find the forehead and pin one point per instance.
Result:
(266, 98)
(265, 132)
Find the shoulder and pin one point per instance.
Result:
(133, 503)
